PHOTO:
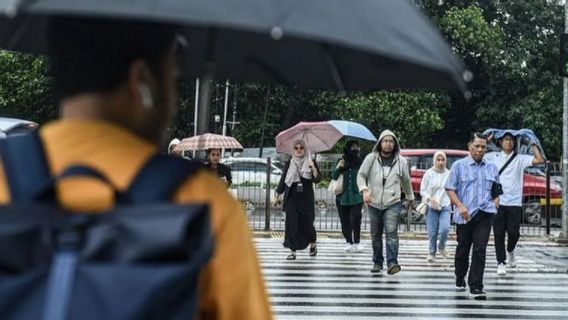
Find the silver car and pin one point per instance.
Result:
(253, 171)
(11, 126)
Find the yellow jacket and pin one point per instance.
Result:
(231, 286)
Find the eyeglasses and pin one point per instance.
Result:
(299, 148)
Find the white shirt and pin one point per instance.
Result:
(433, 185)
(512, 177)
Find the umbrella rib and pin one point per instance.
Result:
(335, 73)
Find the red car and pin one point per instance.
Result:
(534, 187)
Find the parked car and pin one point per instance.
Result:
(253, 171)
(534, 186)
(12, 126)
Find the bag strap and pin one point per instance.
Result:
(159, 178)
(507, 163)
(25, 166)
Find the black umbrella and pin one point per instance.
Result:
(339, 44)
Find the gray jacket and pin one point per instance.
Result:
(370, 177)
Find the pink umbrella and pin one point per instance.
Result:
(208, 141)
(318, 136)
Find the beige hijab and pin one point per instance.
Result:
(299, 166)
(436, 154)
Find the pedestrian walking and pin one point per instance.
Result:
(507, 221)
(433, 193)
(383, 173)
(214, 164)
(469, 187)
(116, 85)
(296, 188)
(350, 201)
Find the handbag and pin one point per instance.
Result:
(496, 187)
(422, 208)
(496, 190)
(336, 186)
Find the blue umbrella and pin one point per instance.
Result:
(353, 129)
(524, 138)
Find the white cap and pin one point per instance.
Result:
(174, 142)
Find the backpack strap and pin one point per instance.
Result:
(507, 163)
(159, 178)
(25, 166)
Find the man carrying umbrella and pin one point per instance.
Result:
(116, 82)
(382, 175)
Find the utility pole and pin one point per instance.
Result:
(196, 111)
(235, 90)
(564, 234)
(225, 109)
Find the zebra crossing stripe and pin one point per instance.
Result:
(338, 285)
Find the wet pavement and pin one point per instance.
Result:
(338, 285)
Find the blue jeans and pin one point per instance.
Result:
(386, 220)
(438, 222)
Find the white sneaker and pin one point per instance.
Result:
(501, 269)
(445, 254)
(359, 247)
(431, 258)
(348, 247)
(512, 262)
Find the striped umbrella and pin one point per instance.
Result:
(208, 141)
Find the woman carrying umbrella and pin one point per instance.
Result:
(350, 201)
(222, 171)
(300, 172)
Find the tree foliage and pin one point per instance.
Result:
(25, 89)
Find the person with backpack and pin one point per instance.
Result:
(350, 202)
(508, 218)
(116, 86)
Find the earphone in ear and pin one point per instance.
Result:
(147, 101)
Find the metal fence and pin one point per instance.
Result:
(254, 184)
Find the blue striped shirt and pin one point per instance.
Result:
(472, 182)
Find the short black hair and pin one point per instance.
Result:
(94, 54)
(477, 135)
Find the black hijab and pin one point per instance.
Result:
(352, 157)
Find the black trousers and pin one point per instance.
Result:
(350, 218)
(507, 220)
(474, 234)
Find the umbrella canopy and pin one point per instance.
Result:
(353, 129)
(208, 141)
(338, 44)
(318, 136)
(524, 138)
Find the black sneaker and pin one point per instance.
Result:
(377, 268)
(478, 294)
(460, 284)
(395, 268)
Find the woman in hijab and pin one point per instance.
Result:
(433, 193)
(300, 173)
(350, 201)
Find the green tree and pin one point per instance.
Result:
(25, 89)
